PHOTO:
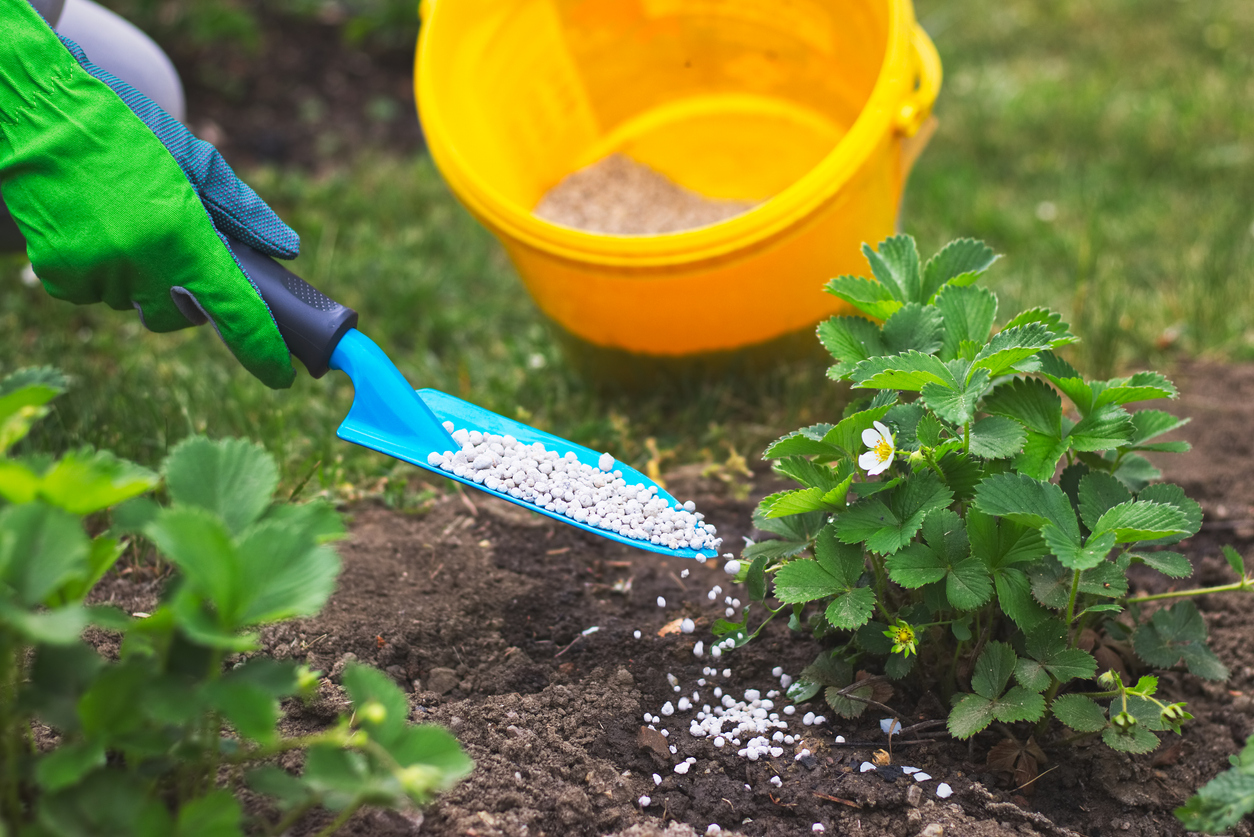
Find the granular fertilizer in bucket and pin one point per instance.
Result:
(618, 196)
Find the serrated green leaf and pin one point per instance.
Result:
(871, 298)
(928, 431)
(997, 437)
(1060, 330)
(993, 669)
(915, 566)
(808, 472)
(59, 626)
(1068, 380)
(913, 327)
(805, 580)
(968, 585)
(1014, 595)
(1028, 502)
(846, 563)
(41, 549)
(1098, 493)
(1080, 713)
(232, 478)
(959, 261)
(1040, 455)
(802, 690)
(807, 441)
(895, 264)
(1223, 801)
(250, 709)
(1141, 520)
(956, 405)
(907, 371)
(1177, 633)
(796, 502)
(1235, 561)
(1105, 428)
(1136, 740)
(1019, 704)
(1142, 386)
(852, 609)
(1030, 401)
(968, 314)
(1011, 346)
(755, 579)
(67, 763)
(1076, 556)
(887, 526)
(1173, 495)
(1031, 675)
(1171, 564)
(1002, 542)
(1150, 424)
(847, 706)
(851, 340)
(368, 686)
(847, 434)
(1047, 644)
(972, 714)
(85, 481)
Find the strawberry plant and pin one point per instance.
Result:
(972, 520)
(156, 741)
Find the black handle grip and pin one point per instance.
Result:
(310, 321)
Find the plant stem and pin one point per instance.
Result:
(1075, 592)
(1244, 585)
(966, 437)
(344, 817)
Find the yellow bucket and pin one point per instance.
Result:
(813, 107)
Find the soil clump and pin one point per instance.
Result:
(619, 196)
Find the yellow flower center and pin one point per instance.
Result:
(883, 449)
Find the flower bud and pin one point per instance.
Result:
(1123, 721)
(1110, 679)
(373, 712)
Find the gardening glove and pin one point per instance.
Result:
(120, 204)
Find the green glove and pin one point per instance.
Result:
(120, 204)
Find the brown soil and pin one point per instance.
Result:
(619, 196)
(478, 608)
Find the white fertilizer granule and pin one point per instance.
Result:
(561, 484)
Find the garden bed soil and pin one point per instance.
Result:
(480, 610)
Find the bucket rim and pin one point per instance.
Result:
(888, 113)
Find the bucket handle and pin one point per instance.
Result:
(917, 107)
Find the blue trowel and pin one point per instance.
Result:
(390, 416)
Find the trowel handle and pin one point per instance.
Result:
(310, 321)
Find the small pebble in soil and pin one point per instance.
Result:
(720, 741)
(684, 573)
(644, 801)
(657, 779)
(716, 652)
(776, 781)
(713, 829)
(729, 612)
(668, 709)
(661, 601)
(866, 767)
(790, 710)
(682, 768)
(785, 680)
(687, 626)
(944, 791)
(920, 776)
(562, 485)
(818, 828)
(731, 567)
(698, 650)
(635, 634)
(777, 671)
(807, 720)
(840, 739)
(727, 672)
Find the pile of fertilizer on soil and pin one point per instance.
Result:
(619, 196)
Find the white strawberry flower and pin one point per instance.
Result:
(880, 441)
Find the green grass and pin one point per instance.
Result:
(1133, 119)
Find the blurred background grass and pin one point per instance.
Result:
(1106, 147)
